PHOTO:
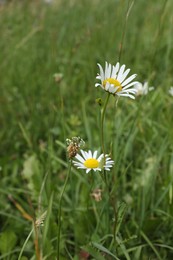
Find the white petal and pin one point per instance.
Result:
(107, 86)
(124, 75)
(131, 90)
(101, 71)
(78, 163)
(84, 154)
(79, 166)
(108, 68)
(112, 89)
(120, 73)
(115, 70)
(79, 158)
(97, 85)
(130, 84)
(100, 157)
(95, 155)
(90, 154)
(125, 95)
(109, 161)
(88, 170)
(109, 165)
(129, 80)
(115, 89)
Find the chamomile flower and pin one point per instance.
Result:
(115, 81)
(142, 89)
(171, 91)
(89, 161)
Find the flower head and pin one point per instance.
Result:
(171, 91)
(40, 221)
(115, 81)
(97, 194)
(142, 89)
(74, 145)
(89, 161)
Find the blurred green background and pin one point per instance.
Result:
(49, 55)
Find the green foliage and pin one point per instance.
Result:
(47, 76)
(31, 173)
(8, 241)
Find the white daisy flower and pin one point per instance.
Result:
(89, 161)
(142, 89)
(171, 91)
(114, 80)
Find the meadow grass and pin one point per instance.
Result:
(39, 111)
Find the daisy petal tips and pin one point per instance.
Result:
(90, 161)
(142, 89)
(115, 80)
(170, 91)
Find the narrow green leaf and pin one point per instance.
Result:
(92, 251)
(120, 215)
(104, 249)
(47, 220)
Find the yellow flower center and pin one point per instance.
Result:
(115, 82)
(91, 163)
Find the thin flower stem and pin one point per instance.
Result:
(60, 205)
(129, 7)
(102, 123)
(36, 242)
(103, 111)
(25, 243)
(158, 34)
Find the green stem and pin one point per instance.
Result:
(59, 213)
(102, 134)
(129, 7)
(102, 123)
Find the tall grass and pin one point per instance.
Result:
(38, 113)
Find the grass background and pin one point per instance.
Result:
(37, 114)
